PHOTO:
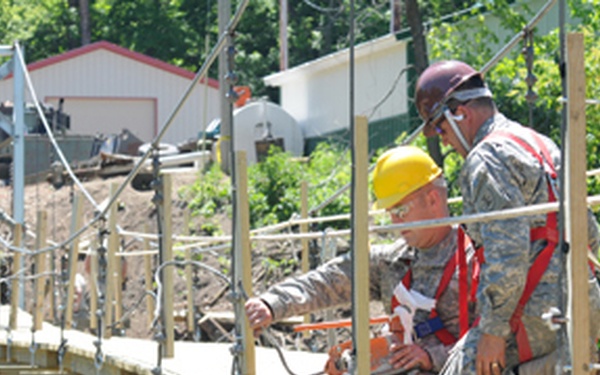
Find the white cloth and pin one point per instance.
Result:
(410, 301)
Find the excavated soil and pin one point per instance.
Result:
(136, 211)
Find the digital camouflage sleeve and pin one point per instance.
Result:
(330, 285)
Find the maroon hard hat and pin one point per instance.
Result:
(434, 87)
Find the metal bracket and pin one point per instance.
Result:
(32, 349)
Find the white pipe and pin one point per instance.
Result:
(178, 159)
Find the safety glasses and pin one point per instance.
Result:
(438, 126)
(437, 119)
(401, 210)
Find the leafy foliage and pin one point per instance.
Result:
(210, 194)
(274, 187)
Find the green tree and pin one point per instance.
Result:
(153, 27)
(43, 27)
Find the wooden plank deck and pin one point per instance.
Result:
(135, 356)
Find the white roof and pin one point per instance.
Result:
(331, 60)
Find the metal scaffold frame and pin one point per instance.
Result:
(575, 203)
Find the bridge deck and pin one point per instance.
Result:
(132, 356)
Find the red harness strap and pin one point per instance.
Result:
(459, 258)
(548, 232)
(463, 285)
(467, 295)
(443, 334)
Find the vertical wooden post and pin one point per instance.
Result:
(14, 296)
(92, 281)
(148, 279)
(360, 248)
(304, 241)
(188, 274)
(111, 266)
(76, 216)
(167, 272)
(40, 267)
(243, 259)
(576, 206)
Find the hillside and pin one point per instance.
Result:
(136, 212)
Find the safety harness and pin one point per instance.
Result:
(549, 232)
(434, 325)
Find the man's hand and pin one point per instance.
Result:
(491, 358)
(410, 356)
(259, 314)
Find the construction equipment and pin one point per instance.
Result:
(340, 360)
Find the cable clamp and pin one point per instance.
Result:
(554, 318)
(236, 349)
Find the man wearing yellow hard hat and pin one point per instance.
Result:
(409, 185)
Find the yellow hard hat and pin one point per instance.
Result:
(399, 172)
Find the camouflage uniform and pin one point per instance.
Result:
(330, 285)
(500, 174)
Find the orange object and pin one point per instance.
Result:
(336, 324)
(339, 355)
(244, 93)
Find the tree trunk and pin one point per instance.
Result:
(413, 16)
(84, 16)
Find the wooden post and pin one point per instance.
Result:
(576, 206)
(167, 272)
(40, 267)
(243, 259)
(360, 248)
(188, 274)
(76, 217)
(92, 282)
(111, 266)
(14, 296)
(304, 241)
(148, 279)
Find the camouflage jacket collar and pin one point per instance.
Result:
(495, 122)
(441, 252)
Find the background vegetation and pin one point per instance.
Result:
(181, 32)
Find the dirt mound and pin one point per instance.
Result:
(136, 212)
(271, 261)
